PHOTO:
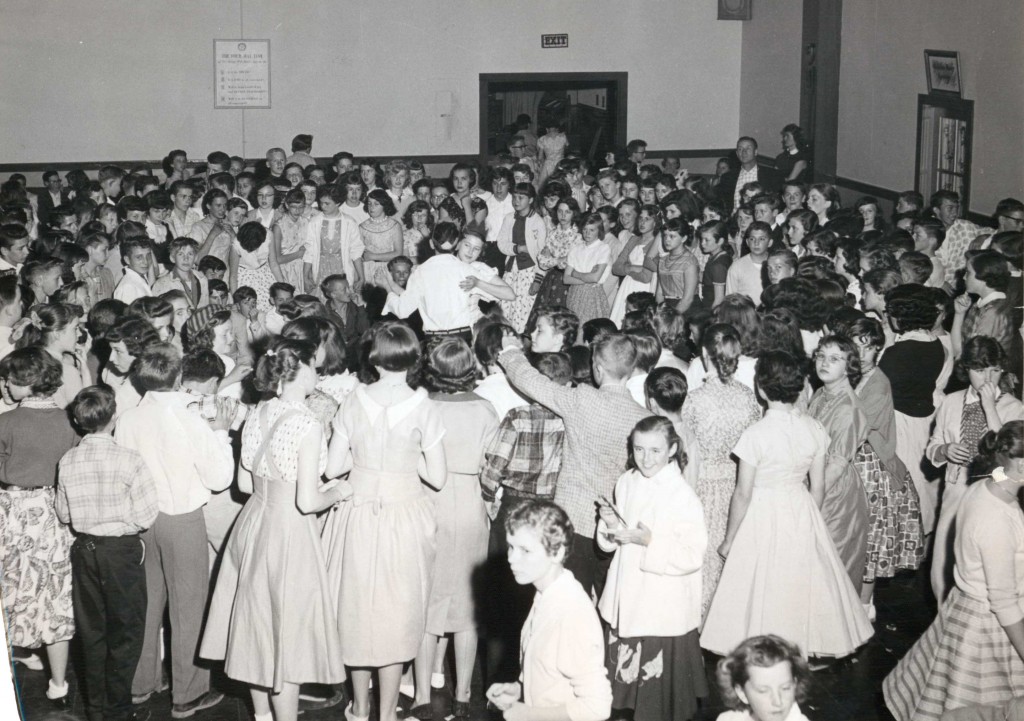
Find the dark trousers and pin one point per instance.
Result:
(109, 593)
(589, 564)
(504, 603)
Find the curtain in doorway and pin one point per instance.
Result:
(518, 102)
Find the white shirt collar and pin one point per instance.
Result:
(990, 298)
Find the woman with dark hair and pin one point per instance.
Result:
(55, 328)
(973, 653)
(716, 414)
(419, 225)
(823, 200)
(782, 572)
(793, 163)
(470, 422)
(987, 404)
(802, 298)
(383, 236)
(912, 364)
(381, 544)
(272, 617)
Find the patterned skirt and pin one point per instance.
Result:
(658, 677)
(964, 658)
(553, 291)
(35, 558)
(895, 540)
(517, 310)
(588, 301)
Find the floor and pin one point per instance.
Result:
(850, 691)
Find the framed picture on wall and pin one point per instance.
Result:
(943, 70)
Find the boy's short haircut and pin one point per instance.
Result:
(157, 369)
(667, 387)
(11, 233)
(220, 158)
(211, 263)
(332, 191)
(109, 172)
(281, 287)
(422, 183)
(562, 321)
(302, 142)
(398, 260)
(915, 267)
(33, 269)
(911, 198)
(93, 408)
(245, 175)
(202, 365)
(131, 244)
(243, 293)
(771, 199)
(522, 168)
(326, 283)
(643, 301)
(343, 155)
(933, 228)
(616, 354)
(223, 179)
(556, 367)
(103, 316)
(237, 159)
(218, 286)
(597, 327)
(146, 181)
(648, 348)
(159, 200)
(8, 289)
(180, 242)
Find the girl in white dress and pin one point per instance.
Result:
(782, 572)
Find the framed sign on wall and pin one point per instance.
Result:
(241, 74)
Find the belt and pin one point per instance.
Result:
(453, 331)
(89, 538)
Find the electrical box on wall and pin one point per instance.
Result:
(554, 41)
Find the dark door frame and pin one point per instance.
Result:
(819, 86)
(619, 83)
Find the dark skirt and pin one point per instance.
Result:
(659, 677)
(553, 291)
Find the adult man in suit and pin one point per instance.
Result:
(732, 182)
(51, 196)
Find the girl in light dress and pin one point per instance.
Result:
(782, 573)
(550, 149)
(586, 268)
(716, 414)
(334, 245)
(419, 225)
(289, 243)
(973, 653)
(652, 599)
(380, 543)
(383, 238)
(272, 633)
(636, 278)
(250, 262)
(264, 212)
(764, 679)
(55, 328)
(548, 285)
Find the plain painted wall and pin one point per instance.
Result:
(125, 80)
(883, 72)
(770, 73)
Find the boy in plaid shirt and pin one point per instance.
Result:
(107, 495)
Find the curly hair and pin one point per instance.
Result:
(779, 376)
(780, 331)
(550, 521)
(910, 307)
(722, 344)
(802, 298)
(450, 366)
(847, 346)
(33, 367)
(764, 652)
(382, 197)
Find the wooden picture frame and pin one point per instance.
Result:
(942, 69)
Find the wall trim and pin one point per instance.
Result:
(892, 195)
(325, 161)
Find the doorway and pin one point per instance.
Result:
(591, 105)
(819, 83)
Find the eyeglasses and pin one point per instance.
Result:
(516, 147)
(1015, 219)
(829, 358)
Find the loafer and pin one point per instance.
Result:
(187, 710)
(423, 712)
(318, 703)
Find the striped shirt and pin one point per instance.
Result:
(104, 489)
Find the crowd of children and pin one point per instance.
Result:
(589, 424)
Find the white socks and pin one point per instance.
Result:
(54, 692)
(437, 680)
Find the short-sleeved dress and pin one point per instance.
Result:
(845, 508)
(293, 239)
(630, 285)
(381, 542)
(783, 574)
(379, 236)
(254, 271)
(551, 261)
(462, 528)
(717, 414)
(272, 613)
(589, 300)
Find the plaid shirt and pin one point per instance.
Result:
(104, 489)
(526, 453)
(598, 422)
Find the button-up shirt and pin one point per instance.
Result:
(744, 177)
(131, 287)
(434, 291)
(525, 454)
(104, 489)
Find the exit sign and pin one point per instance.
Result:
(554, 41)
